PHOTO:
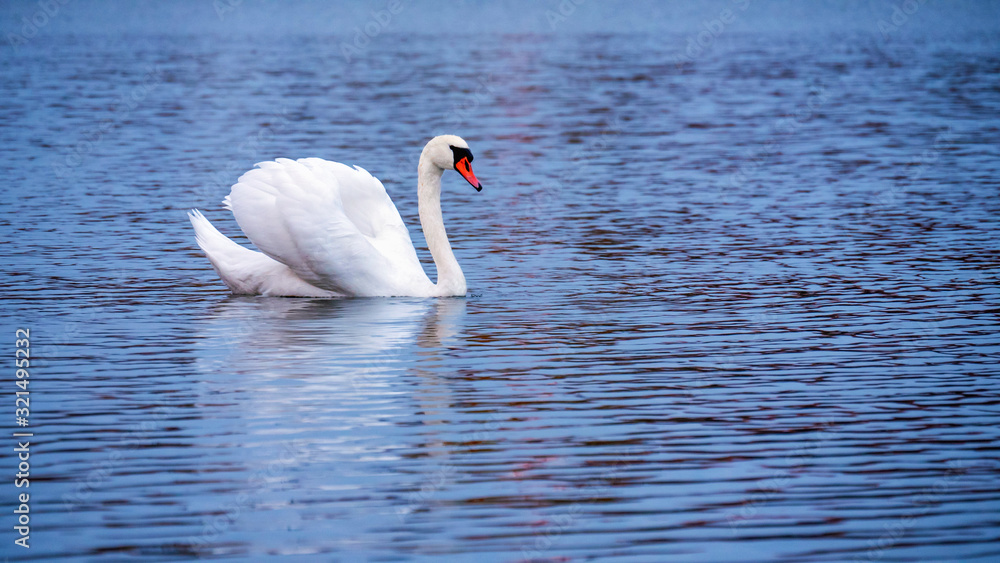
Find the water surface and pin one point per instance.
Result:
(744, 309)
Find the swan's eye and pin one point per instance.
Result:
(461, 153)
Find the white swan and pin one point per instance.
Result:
(326, 229)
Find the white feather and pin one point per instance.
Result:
(332, 225)
(247, 272)
(326, 229)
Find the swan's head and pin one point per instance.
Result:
(451, 152)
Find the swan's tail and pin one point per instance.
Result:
(224, 254)
(245, 271)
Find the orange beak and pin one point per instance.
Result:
(465, 169)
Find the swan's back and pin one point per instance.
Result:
(333, 225)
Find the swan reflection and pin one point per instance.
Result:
(347, 342)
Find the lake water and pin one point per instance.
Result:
(743, 307)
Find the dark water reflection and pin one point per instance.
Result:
(743, 310)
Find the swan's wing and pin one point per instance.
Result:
(333, 225)
(247, 272)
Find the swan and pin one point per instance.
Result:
(325, 229)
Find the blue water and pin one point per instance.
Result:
(741, 307)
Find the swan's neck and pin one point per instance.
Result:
(450, 279)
